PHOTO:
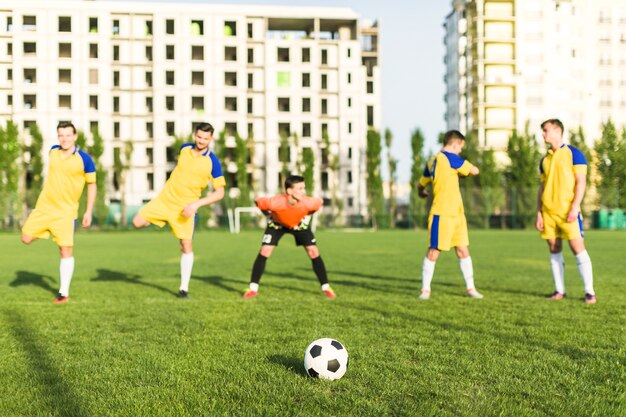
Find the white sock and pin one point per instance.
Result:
(468, 272)
(186, 265)
(428, 269)
(66, 268)
(325, 287)
(586, 271)
(558, 271)
(254, 286)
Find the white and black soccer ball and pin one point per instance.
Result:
(326, 358)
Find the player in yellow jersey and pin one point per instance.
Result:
(180, 198)
(447, 226)
(563, 180)
(57, 206)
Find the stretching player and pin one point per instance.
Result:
(447, 226)
(57, 206)
(563, 180)
(180, 198)
(289, 213)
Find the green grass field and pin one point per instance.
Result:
(127, 346)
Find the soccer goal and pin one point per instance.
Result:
(234, 217)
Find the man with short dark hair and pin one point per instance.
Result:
(57, 206)
(563, 180)
(179, 200)
(447, 226)
(289, 213)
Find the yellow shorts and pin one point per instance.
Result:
(446, 232)
(556, 226)
(158, 213)
(40, 225)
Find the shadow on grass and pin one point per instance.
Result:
(30, 278)
(106, 275)
(290, 363)
(56, 393)
(219, 281)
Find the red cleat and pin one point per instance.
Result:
(250, 294)
(60, 299)
(556, 296)
(590, 298)
(329, 293)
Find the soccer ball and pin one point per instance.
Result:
(326, 358)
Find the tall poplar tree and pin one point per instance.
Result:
(376, 199)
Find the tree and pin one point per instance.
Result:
(469, 186)
(610, 162)
(283, 156)
(332, 164)
(522, 177)
(308, 164)
(121, 165)
(577, 139)
(489, 184)
(374, 181)
(392, 164)
(9, 174)
(96, 150)
(416, 204)
(34, 167)
(241, 160)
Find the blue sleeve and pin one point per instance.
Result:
(455, 160)
(55, 147)
(578, 158)
(426, 172)
(88, 164)
(541, 165)
(216, 171)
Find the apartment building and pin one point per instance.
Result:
(146, 72)
(512, 62)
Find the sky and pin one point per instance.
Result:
(411, 65)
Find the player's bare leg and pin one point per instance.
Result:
(557, 264)
(186, 266)
(27, 240)
(585, 269)
(139, 221)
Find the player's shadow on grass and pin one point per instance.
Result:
(219, 281)
(106, 275)
(57, 397)
(38, 280)
(369, 276)
(290, 363)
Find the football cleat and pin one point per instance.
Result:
(183, 294)
(425, 295)
(249, 294)
(556, 296)
(590, 298)
(60, 299)
(329, 293)
(474, 294)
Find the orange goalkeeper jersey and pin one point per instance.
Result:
(285, 214)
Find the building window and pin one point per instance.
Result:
(283, 104)
(250, 31)
(93, 76)
(93, 25)
(170, 128)
(250, 56)
(350, 153)
(29, 23)
(250, 81)
(65, 76)
(9, 74)
(349, 101)
(30, 75)
(65, 50)
(250, 106)
(169, 77)
(230, 79)
(283, 79)
(306, 130)
(306, 105)
(9, 24)
(93, 50)
(116, 52)
(65, 24)
(169, 52)
(349, 52)
(370, 87)
(149, 78)
(230, 28)
(93, 126)
(65, 101)
(150, 130)
(306, 79)
(149, 105)
(197, 52)
(324, 57)
(169, 26)
(306, 54)
(349, 78)
(169, 103)
(197, 27)
(324, 106)
(349, 179)
(148, 27)
(284, 129)
(149, 53)
(10, 100)
(116, 104)
(10, 49)
(30, 48)
(116, 78)
(30, 101)
(282, 55)
(197, 103)
(230, 103)
(230, 53)
(231, 128)
(116, 130)
(324, 82)
(349, 127)
(370, 115)
(197, 77)
(116, 27)
(150, 178)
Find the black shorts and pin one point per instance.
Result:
(272, 236)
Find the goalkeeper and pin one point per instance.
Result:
(289, 213)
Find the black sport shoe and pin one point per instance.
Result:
(183, 294)
(60, 299)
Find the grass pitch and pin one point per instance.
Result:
(126, 346)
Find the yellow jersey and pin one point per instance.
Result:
(443, 171)
(558, 171)
(66, 178)
(191, 176)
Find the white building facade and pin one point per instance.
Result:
(513, 62)
(146, 72)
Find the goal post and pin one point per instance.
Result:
(234, 218)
